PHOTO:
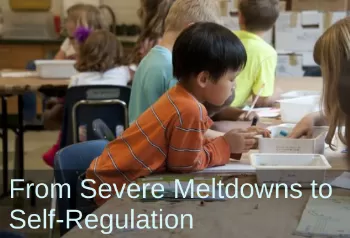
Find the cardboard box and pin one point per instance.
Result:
(283, 6)
(289, 65)
(308, 59)
(299, 31)
(227, 7)
(320, 5)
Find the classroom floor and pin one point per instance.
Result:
(36, 143)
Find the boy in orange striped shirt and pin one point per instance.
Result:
(169, 136)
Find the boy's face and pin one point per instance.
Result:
(217, 93)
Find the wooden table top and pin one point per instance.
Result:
(244, 218)
(12, 85)
(239, 217)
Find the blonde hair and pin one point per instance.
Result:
(87, 15)
(100, 52)
(152, 14)
(184, 12)
(330, 51)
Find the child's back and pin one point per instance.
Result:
(149, 81)
(99, 60)
(256, 18)
(99, 63)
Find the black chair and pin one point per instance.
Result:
(313, 72)
(84, 104)
(70, 163)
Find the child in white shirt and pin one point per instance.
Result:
(99, 62)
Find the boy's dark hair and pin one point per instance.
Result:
(207, 47)
(100, 52)
(259, 15)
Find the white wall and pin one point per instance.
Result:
(125, 10)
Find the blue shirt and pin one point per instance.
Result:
(153, 77)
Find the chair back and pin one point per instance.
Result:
(70, 163)
(102, 131)
(84, 104)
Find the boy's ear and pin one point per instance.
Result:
(203, 79)
(189, 24)
(240, 19)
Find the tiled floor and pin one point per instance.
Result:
(36, 143)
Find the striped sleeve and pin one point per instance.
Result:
(190, 151)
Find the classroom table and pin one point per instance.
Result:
(243, 218)
(17, 86)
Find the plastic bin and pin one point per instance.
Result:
(289, 169)
(299, 93)
(293, 110)
(59, 69)
(281, 144)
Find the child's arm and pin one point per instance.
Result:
(190, 151)
(60, 55)
(234, 114)
(228, 113)
(53, 115)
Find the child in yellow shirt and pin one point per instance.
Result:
(256, 17)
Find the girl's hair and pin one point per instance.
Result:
(87, 15)
(152, 14)
(100, 51)
(330, 51)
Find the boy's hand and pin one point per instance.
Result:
(261, 131)
(247, 117)
(240, 141)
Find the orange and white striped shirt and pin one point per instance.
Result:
(169, 136)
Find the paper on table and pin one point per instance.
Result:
(18, 74)
(267, 112)
(233, 167)
(326, 217)
(343, 181)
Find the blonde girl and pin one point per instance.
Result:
(331, 52)
(85, 15)
(152, 14)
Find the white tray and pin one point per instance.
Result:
(63, 69)
(299, 93)
(281, 144)
(293, 110)
(289, 169)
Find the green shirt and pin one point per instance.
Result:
(153, 77)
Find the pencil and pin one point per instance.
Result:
(255, 121)
(255, 100)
